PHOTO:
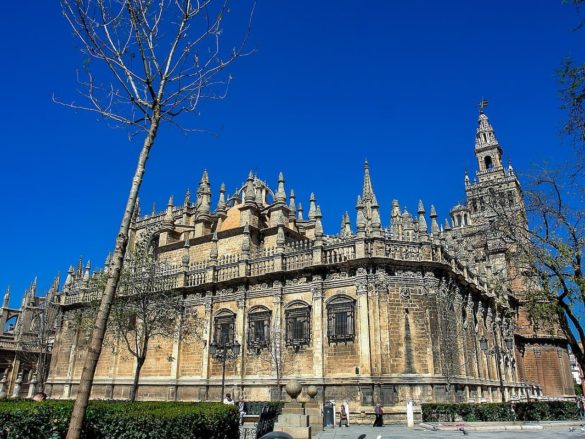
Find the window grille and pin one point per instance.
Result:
(298, 325)
(224, 328)
(341, 320)
(258, 329)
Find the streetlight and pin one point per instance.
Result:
(223, 351)
(497, 351)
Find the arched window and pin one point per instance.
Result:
(340, 319)
(298, 324)
(487, 160)
(223, 325)
(258, 328)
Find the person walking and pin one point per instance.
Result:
(243, 409)
(343, 416)
(379, 412)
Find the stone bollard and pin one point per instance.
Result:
(293, 419)
(33, 386)
(3, 394)
(313, 410)
(17, 384)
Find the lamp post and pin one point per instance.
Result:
(497, 351)
(224, 351)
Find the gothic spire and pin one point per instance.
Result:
(169, 219)
(69, 278)
(187, 200)
(375, 221)
(6, 301)
(300, 212)
(367, 190)
(345, 230)
(361, 220)
(221, 206)
(87, 271)
(250, 195)
(291, 205)
(422, 222)
(280, 193)
(318, 224)
(79, 271)
(312, 206)
(434, 224)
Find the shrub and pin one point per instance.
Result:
(124, 420)
(521, 411)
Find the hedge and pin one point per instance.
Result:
(520, 411)
(123, 420)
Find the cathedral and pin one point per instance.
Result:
(416, 310)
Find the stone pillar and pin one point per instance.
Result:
(363, 319)
(175, 353)
(277, 367)
(241, 328)
(317, 325)
(207, 333)
(71, 364)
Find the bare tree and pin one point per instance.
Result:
(35, 344)
(146, 310)
(545, 249)
(159, 60)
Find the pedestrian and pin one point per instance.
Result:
(243, 409)
(346, 405)
(343, 416)
(228, 399)
(581, 408)
(379, 412)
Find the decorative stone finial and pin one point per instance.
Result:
(293, 389)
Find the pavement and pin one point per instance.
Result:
(402, 432)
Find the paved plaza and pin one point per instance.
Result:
(402, 432)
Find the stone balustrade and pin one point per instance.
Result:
(293, 256)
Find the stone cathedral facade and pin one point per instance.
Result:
(374, 313)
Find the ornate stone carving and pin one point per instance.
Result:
(405, 293)
(317, 290)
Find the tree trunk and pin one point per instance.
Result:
(134, 390)
(99, 330)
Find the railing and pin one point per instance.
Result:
(262, 266)
(338, 254)
(228, 272)
(293, 256)
(196, 277)
(296, 261)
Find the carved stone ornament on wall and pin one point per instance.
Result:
(208, 305)
(338, 275)
(317, 290)
(405, 293)
(225, 291)
(361, 285)
(361, 271)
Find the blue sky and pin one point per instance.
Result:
(331, 83)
